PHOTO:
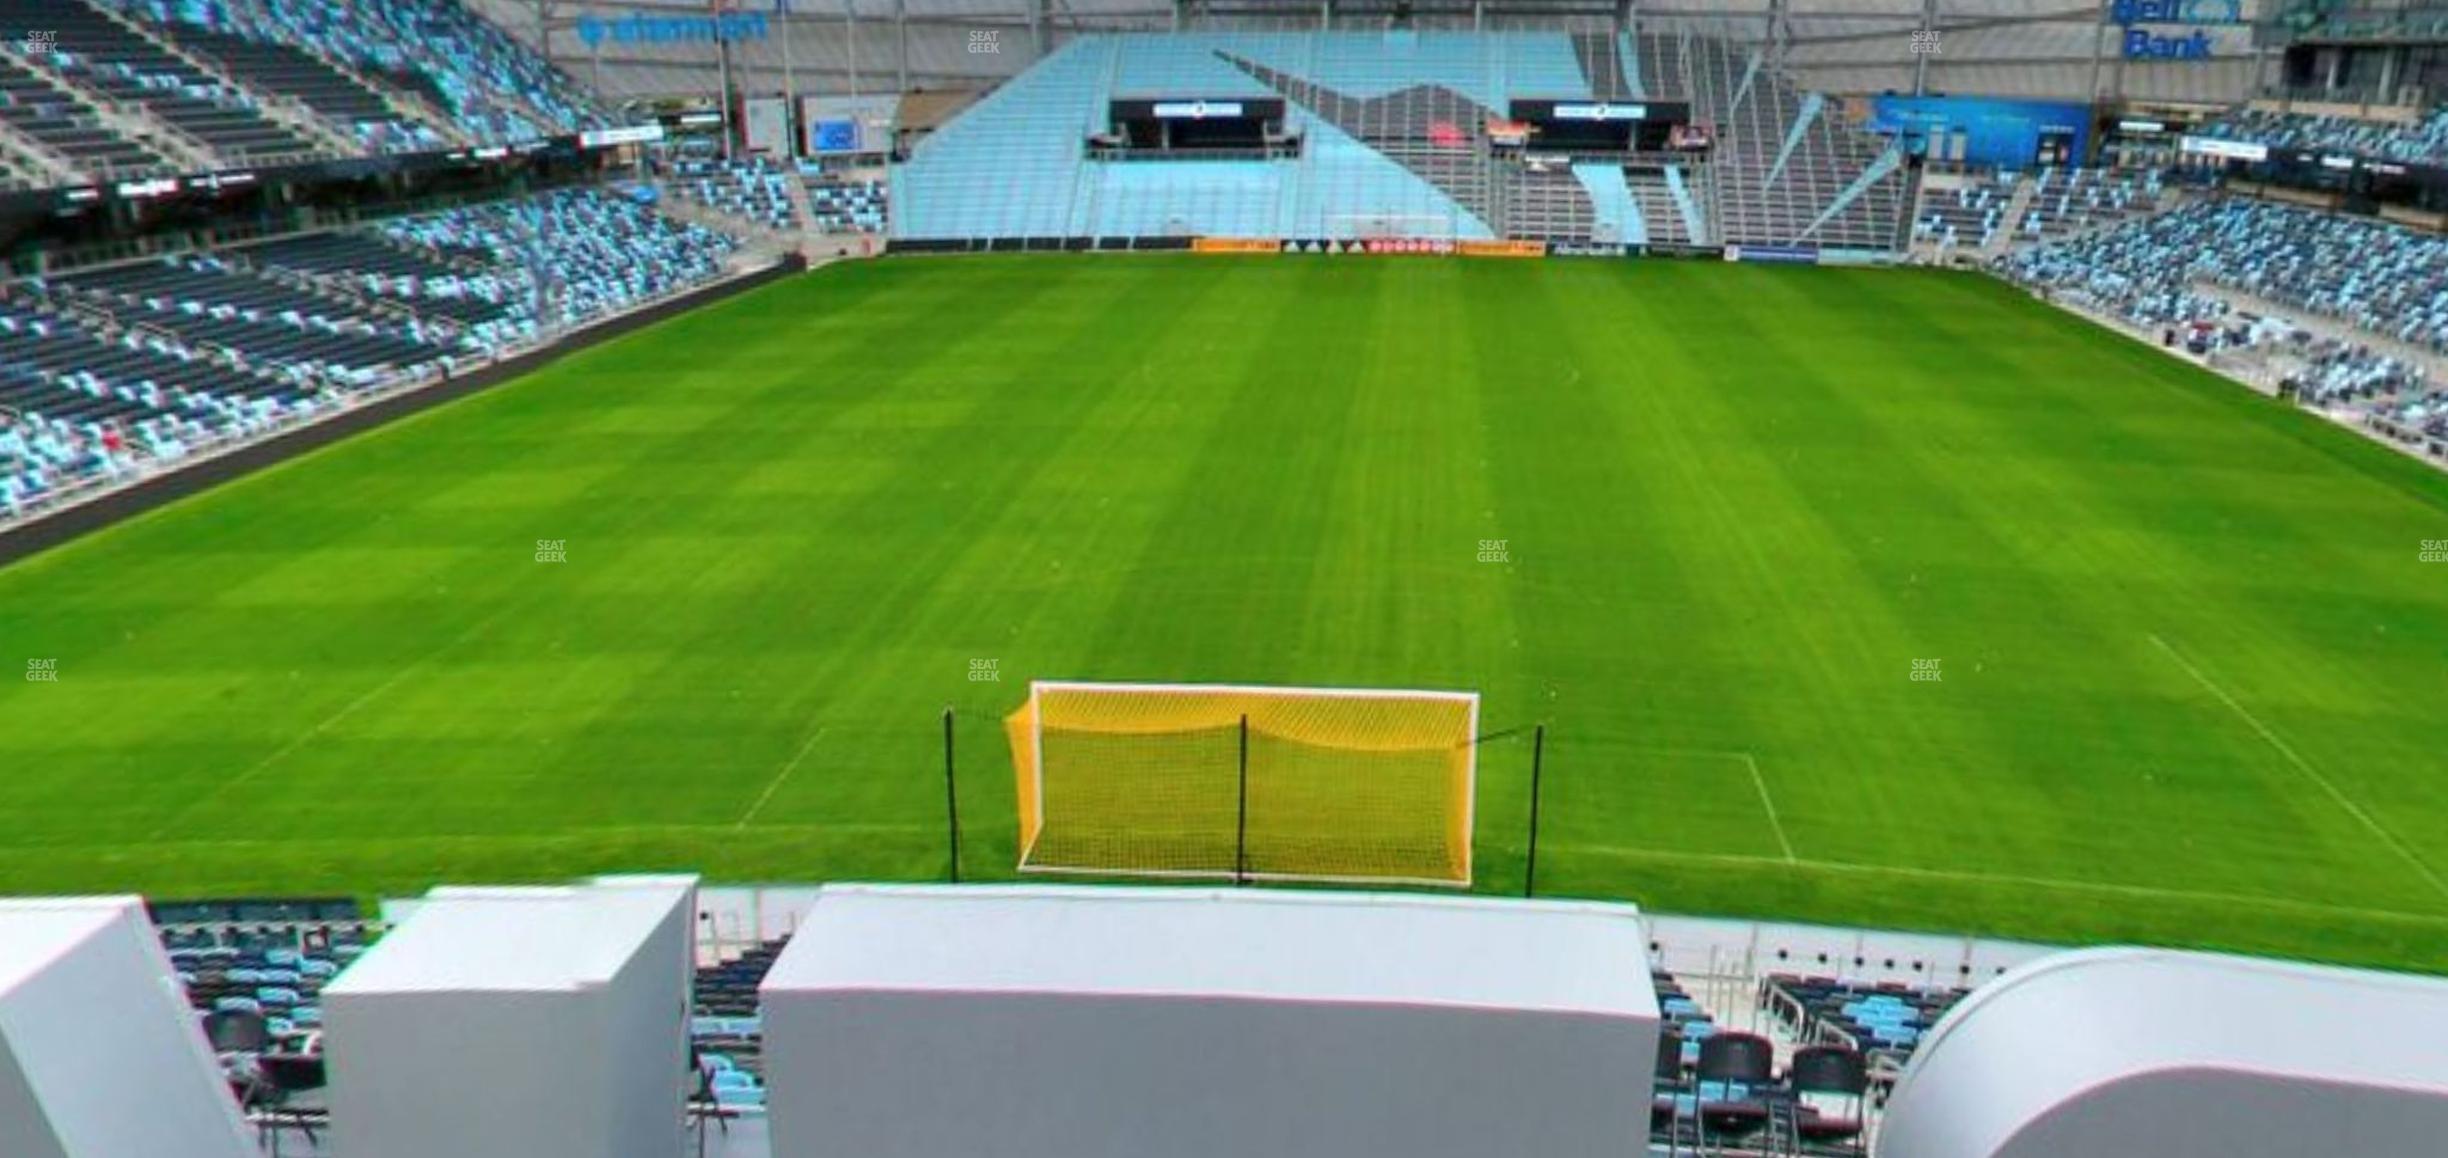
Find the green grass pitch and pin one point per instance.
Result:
(2192, 675)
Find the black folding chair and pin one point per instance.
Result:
(273, 1097)
(1728, 1060)
(1668, 1086)
(1830, 1070)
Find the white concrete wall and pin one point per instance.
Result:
(100, 1056)
(1198, 1023)
(572, 1045)
(885, 1075)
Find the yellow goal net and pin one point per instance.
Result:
(1353, 785)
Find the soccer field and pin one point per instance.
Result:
(1701, 520)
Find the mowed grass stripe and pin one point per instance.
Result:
(1938, 566)
(1737, 502)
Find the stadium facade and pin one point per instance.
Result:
(2007, 48)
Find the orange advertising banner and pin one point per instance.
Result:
(1501, 248)
(1234, 245)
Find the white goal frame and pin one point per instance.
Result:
(1470, 781)
(1437, 227)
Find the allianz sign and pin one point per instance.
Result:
(2143, 44)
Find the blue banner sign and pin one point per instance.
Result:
(643, 29)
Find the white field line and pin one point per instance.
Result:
(1767, 802)
(348, 709)
(2305, 766)
(2147, 892)
(787, 768)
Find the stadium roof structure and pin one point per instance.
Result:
(2179, 1055)
(2037, 49)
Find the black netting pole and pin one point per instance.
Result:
(1241, 825)
(1538, 760)
(951, 798)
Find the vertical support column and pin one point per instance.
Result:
(790, 80)
(2099, 44)
(2116, 81)
(1929, 27)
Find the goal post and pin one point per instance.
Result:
(1346, 785)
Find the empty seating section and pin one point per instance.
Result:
(726, 1029)
(755, 190)
(438, 289)
(1011, 165)
(255, 80)
(2071, 200)
(214, 302)
(254, 971)
(1659, 62)
(1966, 213)
(1884, 1021)
(107, 370)
(1784, 170)
(121, 65)
(491, 86)
(2424, 141)
(2167, 275)
(563, 258)
(85, 396)
(1183, 198)
(254, 54)
(2425, 411)
(2377, 277)
(1545, 67)
(1393, 144)
(1719, 1089)
(1618, 215)
(1654, 201)
(840, 206)
(65, 124)
(1549, 203)
(1686, 205)
(1606, 66)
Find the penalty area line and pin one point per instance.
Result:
(791, 766)
(370, 695)
(2304, 766)
(1758, 781)
(2055, 884)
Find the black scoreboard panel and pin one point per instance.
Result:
(1196, 122)
(1600, 125)
(1199, 109)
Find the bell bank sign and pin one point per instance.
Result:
(2145, 44)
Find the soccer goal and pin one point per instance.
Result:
(1350, 785)
(1430, 227)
